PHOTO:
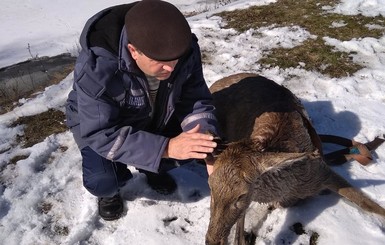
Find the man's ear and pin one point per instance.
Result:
(132, 50)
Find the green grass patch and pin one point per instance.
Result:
(312, 15)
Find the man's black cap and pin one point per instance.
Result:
(158, 29)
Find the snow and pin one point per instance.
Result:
(42, 200)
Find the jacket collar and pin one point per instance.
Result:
(126, 62)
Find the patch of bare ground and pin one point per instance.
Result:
(40, 126)
(313, 16)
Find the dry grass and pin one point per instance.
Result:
(312, 16)
(40, 126)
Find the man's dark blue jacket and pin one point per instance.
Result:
(109, 107)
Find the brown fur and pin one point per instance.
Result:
(275, 155)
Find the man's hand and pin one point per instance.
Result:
(190, 144)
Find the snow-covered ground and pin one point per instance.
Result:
(42, 200)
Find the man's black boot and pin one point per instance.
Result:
(110, 208)
(162, 183)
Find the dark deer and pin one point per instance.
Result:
(274, 155)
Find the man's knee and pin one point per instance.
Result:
(102, 177)
(101, 185)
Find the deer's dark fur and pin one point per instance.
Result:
(275, 155)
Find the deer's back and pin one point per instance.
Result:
(256, 107)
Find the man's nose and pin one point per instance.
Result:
(169, 65)
(168, 68)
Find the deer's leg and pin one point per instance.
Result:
(240, 231)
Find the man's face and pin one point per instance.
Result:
(161, 70)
